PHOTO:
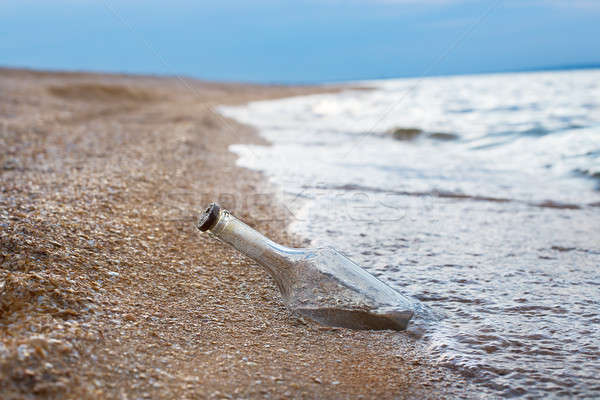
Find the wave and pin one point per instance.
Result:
(455, 195)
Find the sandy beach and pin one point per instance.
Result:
(108, 290)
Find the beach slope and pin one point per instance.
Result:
(107, 290)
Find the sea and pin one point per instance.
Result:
(479, 196)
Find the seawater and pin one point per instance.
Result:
(496, 228)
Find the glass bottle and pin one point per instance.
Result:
(318, 283)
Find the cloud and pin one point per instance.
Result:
(593, 5)
(406, 2)
(416, 1)
(572, 4)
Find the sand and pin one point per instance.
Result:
(108, 290)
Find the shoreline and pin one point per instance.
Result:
(108, 289)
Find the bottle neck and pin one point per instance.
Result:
(263, 250)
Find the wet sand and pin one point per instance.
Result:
(107, 289)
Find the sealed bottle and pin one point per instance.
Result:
(318, 283)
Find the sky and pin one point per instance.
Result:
(299, 41)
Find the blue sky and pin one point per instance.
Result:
(301, 40)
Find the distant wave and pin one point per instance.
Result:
(591, 174)
(455, 195)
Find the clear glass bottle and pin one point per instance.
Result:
(318, 283)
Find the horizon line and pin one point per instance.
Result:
(544, 68)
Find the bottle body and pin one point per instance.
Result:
(319, 283)
(332, 290)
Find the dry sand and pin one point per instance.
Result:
(107, 288)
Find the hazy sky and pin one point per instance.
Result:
(298, 40)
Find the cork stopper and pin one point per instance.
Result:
(209, 218)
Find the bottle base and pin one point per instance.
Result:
(358, 319)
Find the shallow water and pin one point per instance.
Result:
(498, 229)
